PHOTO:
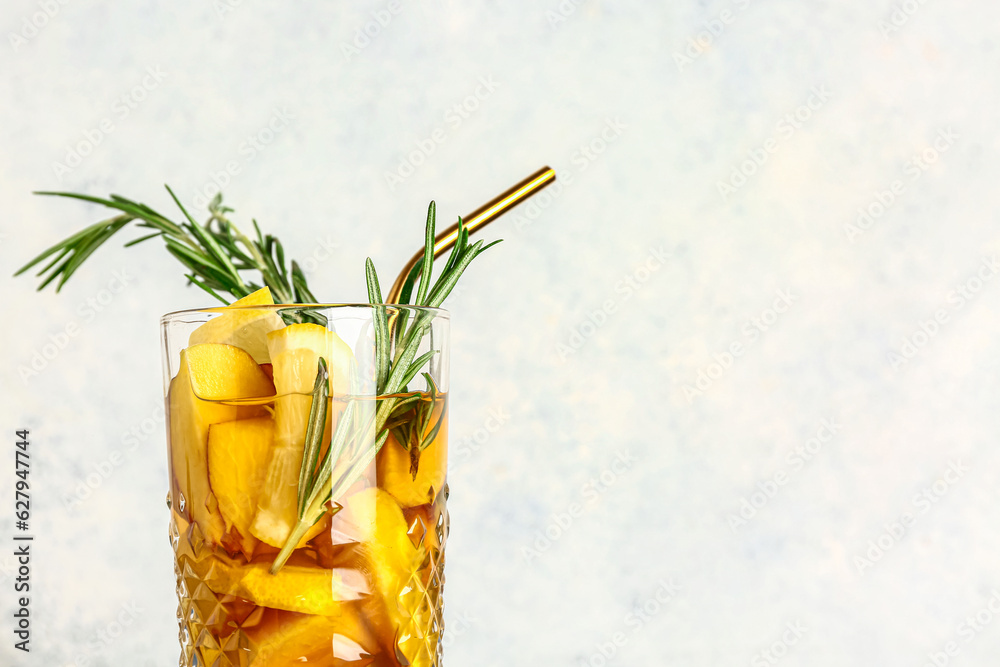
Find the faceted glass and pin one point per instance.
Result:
(291, 547)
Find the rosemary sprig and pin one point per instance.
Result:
(215, 254)
(358, 437)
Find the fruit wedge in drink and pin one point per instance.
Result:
(295, 351)
(207, 390)
(414, 477)
(243, 326)
(238, 452)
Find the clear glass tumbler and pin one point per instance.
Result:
(308, 456)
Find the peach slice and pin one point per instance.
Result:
(242, 327)
(208, 373)
(238, 452)
(373, 518)
(394, 466)
(295, 351)
(297, 639)
(403, 603)
(300, 588)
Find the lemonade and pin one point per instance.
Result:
(362, 584)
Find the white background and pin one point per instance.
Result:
(685, 124)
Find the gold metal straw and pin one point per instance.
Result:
(476, 220)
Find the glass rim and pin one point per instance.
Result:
(168, 317)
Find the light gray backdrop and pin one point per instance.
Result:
(726, 395)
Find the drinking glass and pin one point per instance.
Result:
(307, 511)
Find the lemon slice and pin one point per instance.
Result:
(304, 589)
(238, 452)
(396, 569)
(208, 373)
(295, 351)
(373, 518)
(302, 639)
(394, 473)
(242, 327)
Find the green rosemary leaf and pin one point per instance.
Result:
(180, 206)
(447, 284)
(456, 249)
(319, 488)
(414, 334)
(53, 275)
(314, 433)
(72, 195)
(146, 211)
(459, 251)
(141, 239)
(269, 270)
(381, 326)
(399, 433)
(207, 271)
(415, 367)
(403, 405)
(400, 367)
(488, 246)
(195, 281)
(82, 253)
(281, 258)
(302, 292)
(70, 242)
(428, 264)
(198, 257)
(221, 259)
(407, 290)
(346, 429)
(62, 253)
(463, 243)
(357, 466)
(429, 438)
(397, 325)
(223, 233)
(401, 317)
(125, 206)
(402, 414)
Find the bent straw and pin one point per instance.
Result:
(476, 220)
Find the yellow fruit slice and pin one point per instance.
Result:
(238, 453)
(299, 346)
(305, 589)
(302, 640)
(373, 518)
(207, 373)
(310, 590)
(394, 466)
(395, 568)
(295, 351)
(242, 327)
